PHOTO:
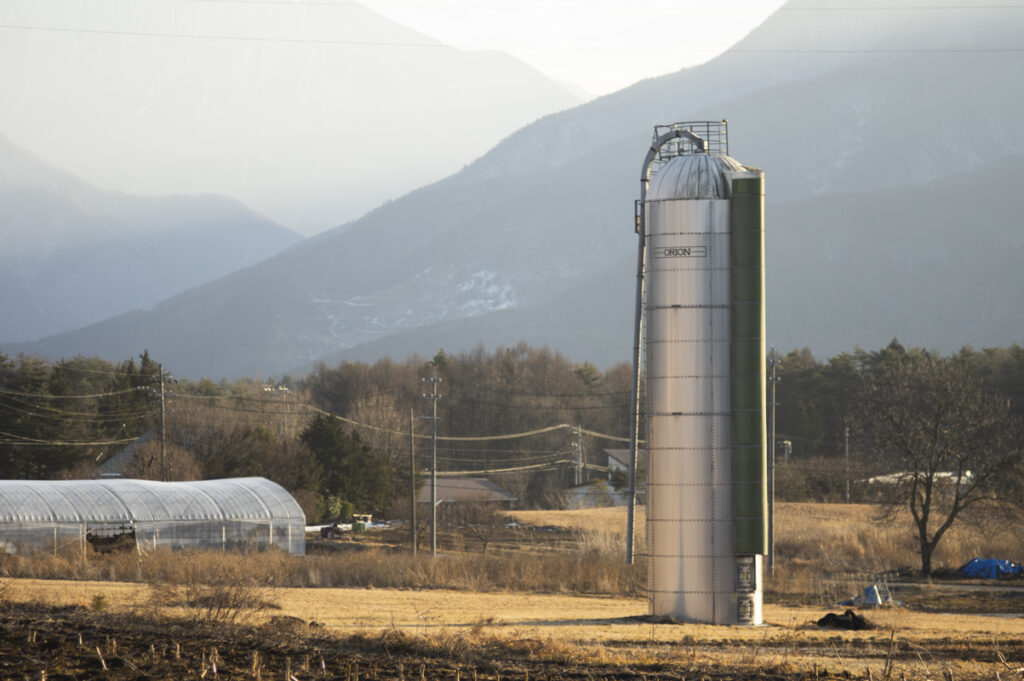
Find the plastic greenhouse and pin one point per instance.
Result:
(234, 513)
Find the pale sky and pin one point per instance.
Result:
(283, 104)
(598, 45)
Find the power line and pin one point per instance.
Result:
(22, 440)
(73, 397)
(560, 407)
(515, 469)
(480, 438)
(230, 38)
(631, 8)
(383, 43)
(491, 391)
(550, 458)
(240, 410)
(35, 408)
(79, 416)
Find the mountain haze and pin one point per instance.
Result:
(73, 255)
(311, 113)
(891, 144)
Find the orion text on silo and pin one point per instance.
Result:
(683, 252)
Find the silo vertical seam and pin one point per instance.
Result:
(648, 423)
(710, 371)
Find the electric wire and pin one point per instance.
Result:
(505, 460)
(478, 391)
(33, 409)
(79, 417)
(22, 440)
(72, 397)
(513, 469)
(631, 8)
(384, 43)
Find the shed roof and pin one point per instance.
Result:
(123, 500)
(465, 490)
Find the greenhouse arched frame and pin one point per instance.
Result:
(228, 514)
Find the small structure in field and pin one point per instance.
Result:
(467, 491)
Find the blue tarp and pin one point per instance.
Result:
(990, 568)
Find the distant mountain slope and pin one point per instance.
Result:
(535, 240)
(72, 255)
(311, 113)
(843, 271)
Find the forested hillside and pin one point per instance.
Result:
(339, 438)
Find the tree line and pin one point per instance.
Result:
(338, 439)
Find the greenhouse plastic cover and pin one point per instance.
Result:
(120, 500)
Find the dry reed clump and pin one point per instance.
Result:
(823, 551)
(829, 551)
(587, 570)
(209, 589)
(593, 564)
(479, 646)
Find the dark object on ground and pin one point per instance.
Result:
(990, 568)
(848, 620)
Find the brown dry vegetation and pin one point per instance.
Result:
(501, 635)
(556, 602)
(824, 553)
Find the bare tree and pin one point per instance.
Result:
(949, 443)
(148, 463)
(479, 519)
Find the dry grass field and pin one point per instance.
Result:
(603, 631)
(499, 627)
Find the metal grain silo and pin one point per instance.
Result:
(700, 319)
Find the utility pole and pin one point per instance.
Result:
(579, 456)
(164, 473)
(433, 397)
(412, 481)
(846, 438)
(773, 379)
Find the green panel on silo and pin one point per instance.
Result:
(748, 501)
(748, 428)
(748, 464)
(746, 247)
(744, 324)
(748, 185)
(751, 535)
(747, 210)
(747, 357)
(745, 396)
(747, 286)
(746, 256)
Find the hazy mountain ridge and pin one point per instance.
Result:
(310, 113)
(73, 254)
(861, 264)
(551, 228)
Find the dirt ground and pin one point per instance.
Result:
(52, 630)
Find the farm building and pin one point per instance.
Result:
(467, 490)
(234, 513)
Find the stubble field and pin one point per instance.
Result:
(72, 629)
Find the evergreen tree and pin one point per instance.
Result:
(350, 471)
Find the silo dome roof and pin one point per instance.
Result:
(693, 176)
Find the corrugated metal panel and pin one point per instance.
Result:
(698, 176)
(690, 506)
(68, 501)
